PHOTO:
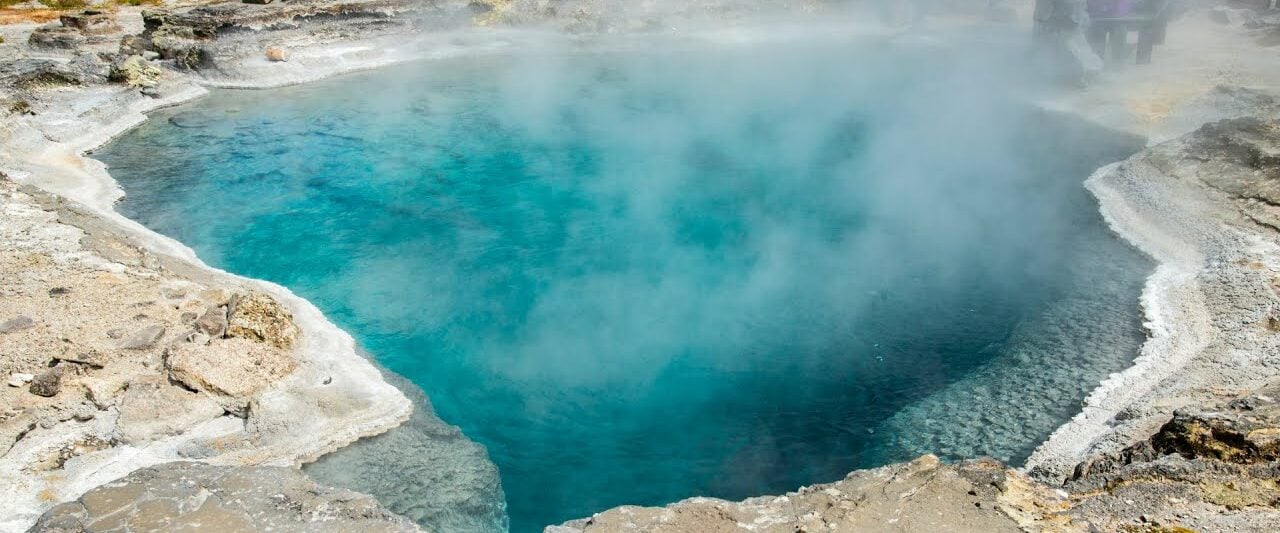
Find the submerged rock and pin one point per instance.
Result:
(425, 470)
(184, 496)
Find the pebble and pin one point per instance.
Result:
(19, 379)
(143, 338)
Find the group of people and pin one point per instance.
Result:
(1112, 8)
(898, 12)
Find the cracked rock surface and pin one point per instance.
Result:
(186, 496)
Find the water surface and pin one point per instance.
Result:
(641, 275)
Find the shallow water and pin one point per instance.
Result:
(643, 275)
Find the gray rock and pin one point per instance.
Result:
(213, 322)
(199, 338)
(144, 338)
(91, 22)
(136, 72)
(56, 37)
(47, 383)
(17, 323)
(186, 496)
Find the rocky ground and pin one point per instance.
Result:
(96, 327)
(186, 496)
(119, 349)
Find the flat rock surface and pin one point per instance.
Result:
(923, 495)
(186, 496)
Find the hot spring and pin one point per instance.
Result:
(638, 272)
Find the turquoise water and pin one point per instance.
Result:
(646, 274)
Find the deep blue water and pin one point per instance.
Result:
(639, 276)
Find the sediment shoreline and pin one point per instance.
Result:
(1180, 226)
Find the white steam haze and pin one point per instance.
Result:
(922, 166)
(735, 246)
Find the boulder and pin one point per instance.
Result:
(259, 317)
(188, 496)
(56, 37)
(135, 71)
(47, 383)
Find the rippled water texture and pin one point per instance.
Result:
(642, 275)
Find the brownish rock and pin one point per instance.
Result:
(47, 383)
(277, 54)
(233, 370)
(257, 316)
(213, 322)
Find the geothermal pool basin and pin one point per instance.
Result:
(653, 272)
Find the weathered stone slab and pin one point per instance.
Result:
(152, 408)
(185, 496)
(91, 22)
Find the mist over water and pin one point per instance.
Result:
(676, 268)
